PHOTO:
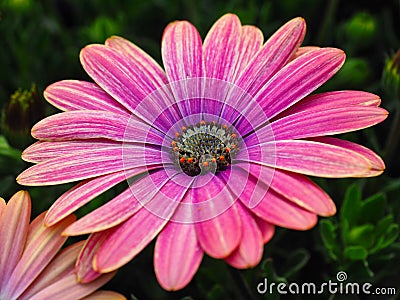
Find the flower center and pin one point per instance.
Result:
(204, 147)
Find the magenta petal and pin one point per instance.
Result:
(304, 192)
(81, 194)
(251, 39)
(310, 158)
(14, 224)
(221, 233)
(303, 50)
(89, 124)
(221, 47)
(121, 207)
(84, 263)
(129, 238)
(181, 51)
(81, 95)
(293, 82)
(140, 58)
(260, 199)
(175, 242)
(315, 122)
(90, 164)
(331, 100)
(377, 164)
(273, 56)
(41, 151)
(250, 250)
(267, 229)
(122, 78)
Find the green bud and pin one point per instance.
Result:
(360, 31)
(391, 75)
(24, 109)
(18, 5)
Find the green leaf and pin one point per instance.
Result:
(355, 253)
(362, 235)
(328, 233)
(351, 205)
(373, 208)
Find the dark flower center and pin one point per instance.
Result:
(204, 147)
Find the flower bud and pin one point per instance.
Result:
(391, 75)
(24, 109)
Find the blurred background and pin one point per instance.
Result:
(40, 44)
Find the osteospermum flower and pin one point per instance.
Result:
(31, 265)
(215, 146)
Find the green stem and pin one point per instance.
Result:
(241, 283)
(328, 20)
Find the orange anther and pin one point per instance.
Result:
(233, 135)
(227, 150)
(184, 128)
(177, 134)
(182, 159)
(202, 122)
(190, 159)
(176, 149)
(222, 158)
(213, 159)
(205, 164)
(173, 143)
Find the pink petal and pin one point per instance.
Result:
(304, 192)
(273, 56)
(166, 108)
(128, 81)
(267, 229)
(269, 205)
(315, 122)
(251, 39)
(81, 95)
(105, 295)
(93, 163)
(331, 100)
(140, 58)
(303, 50)
(2, 206)
(181, 51)
(293, 82)
(377, 164)
(14, 224)
(175, 242)
(129, 238)
(81, 194)
(221, 47)
(221, 232)
(310, 158)
(250, 250)
(89, 124)
(68, 288)
(41, 151)
(60, 266)
(41, 246)
(122, 206)
(84, 263)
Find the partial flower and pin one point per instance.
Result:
(31, 263)
(215, 146)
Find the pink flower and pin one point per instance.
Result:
(215, 148)
(31, 265)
